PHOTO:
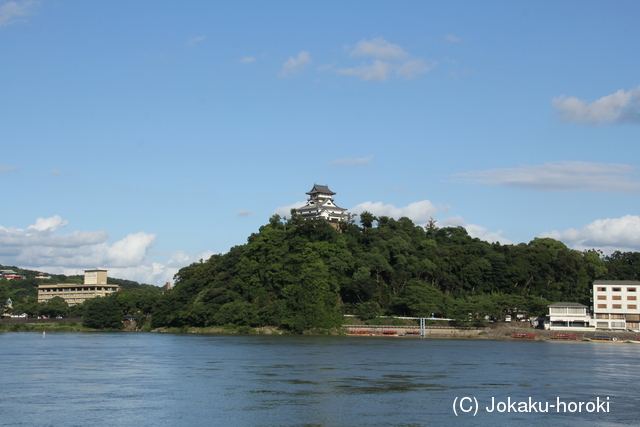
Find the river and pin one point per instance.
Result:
(152, 379)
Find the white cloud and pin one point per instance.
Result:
(43, 247)
(247, 60)
(378, 48)
(618, 107)
(244, 212)
(130, 251)
(295, 65)
(561, 176)
(379, 71)
(412, 68)
(12, 11)
(352, 161)
(387, 59)
(8, 168)
(51, 224)
(195, 40)
(474, 230)
(452, 38)
(285, 211)
(419, 212)
(608, 235)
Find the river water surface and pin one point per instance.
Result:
(147, 379)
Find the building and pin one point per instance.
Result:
(568, 316)
(10, 274)
(615, 304)
(321, 205)
(95, 285)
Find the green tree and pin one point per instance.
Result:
(54, 307)
(103, 313)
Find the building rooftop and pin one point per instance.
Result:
(324, 189)
(616, 282)
(566, 304)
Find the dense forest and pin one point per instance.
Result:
(304, 274)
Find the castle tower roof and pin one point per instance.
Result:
(324, 189)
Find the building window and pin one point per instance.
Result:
(602, 305)
(617, 316)
(617, 324)
(616, 298)
(632, 307)
(616, 289)
(602, 297)
(602, 289)
(631, 289)
(602, 324)
(631, 298)
(614, 306)
(602, 316)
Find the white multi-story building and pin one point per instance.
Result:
(321, 205)
(615, 304)
(568, 316)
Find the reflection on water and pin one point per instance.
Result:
(113, 379)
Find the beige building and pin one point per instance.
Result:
(95, 285)
(616, 305)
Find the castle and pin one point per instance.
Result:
(321, 205)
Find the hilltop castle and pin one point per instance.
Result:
(321, 205)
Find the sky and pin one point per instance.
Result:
(143, 136)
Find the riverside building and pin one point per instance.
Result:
(95, 285)
(615, 304)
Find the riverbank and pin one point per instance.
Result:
(493, 332)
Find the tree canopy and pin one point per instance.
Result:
(303, 274)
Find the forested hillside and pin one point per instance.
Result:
(301, 274)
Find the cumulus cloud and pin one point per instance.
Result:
(561, 176)
(378, 48)
(295, 65)
(352, 161)
(130, 251)
(48, 224)
(387, 58)
(419, 212)
(285, 211)
(13, 11)
(619, 107)
(247, 60)
(43, 246)
(8, 168)
(379, 71)
(608, 235)
(475, 230)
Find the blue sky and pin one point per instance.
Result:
(143, 136)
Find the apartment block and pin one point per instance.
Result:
(616, 305)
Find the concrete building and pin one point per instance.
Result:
(615, 304)
(95, 285)
(568, 316)
(321, 205)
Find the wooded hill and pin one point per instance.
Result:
(302, 274)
